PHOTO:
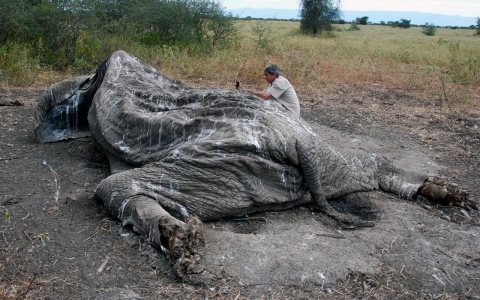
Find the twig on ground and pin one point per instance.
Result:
(327, 234)
(403, 267)
(102, 266)
(26, 235)
(251, 218)
(56, 180)
(31, 282)
(394, 240)
(94, 234)
(5, 240)
(10, 158)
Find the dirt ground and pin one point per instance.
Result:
(58, 243)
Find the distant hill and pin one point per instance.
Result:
(416, 18)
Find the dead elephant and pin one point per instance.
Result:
(179, 153)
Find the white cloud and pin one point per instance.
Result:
(280, 4)
(467, 8)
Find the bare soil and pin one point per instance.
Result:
(58, 243)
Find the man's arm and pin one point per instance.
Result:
(263, 95)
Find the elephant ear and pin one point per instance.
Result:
(62, 110)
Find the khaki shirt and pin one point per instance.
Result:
(282, 91)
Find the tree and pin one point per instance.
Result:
(50, 28)
(404, 23)
(478, 27)
(362, 20)
(318, 15)
(429, 29)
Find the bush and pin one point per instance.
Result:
(184, 22)
(404, 23)
(478, 27)
(262, 36)
(16, 67)
(362, 20)
(429, 29)
(354, 27)
(66, 33)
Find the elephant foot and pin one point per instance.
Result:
(438, 191)
(181, 240)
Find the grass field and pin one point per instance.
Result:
(396, 58)
(445, 66)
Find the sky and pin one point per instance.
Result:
(465, 8)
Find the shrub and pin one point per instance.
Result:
(66, 33)
(404, 23)
(262, 36)
(362, 20)
(16, 67)
(354, 27)
(478, 27)
(429, 29)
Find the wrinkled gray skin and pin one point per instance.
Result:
(177, 152)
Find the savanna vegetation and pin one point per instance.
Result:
(76, 40)
(75, 35)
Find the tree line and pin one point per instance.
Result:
(53, 29)
(63, 33)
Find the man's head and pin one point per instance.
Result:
(271, 72)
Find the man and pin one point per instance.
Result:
(280, 89)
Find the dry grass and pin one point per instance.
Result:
(445, 66)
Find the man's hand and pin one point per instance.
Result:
(263, 95)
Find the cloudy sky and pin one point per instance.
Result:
(466, 8)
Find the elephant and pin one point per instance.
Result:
(180, 156)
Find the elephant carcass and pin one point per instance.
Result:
(179, 154)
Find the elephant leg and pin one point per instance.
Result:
(326, 208)
(148, 218)
(439, 191)
(308, 160)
